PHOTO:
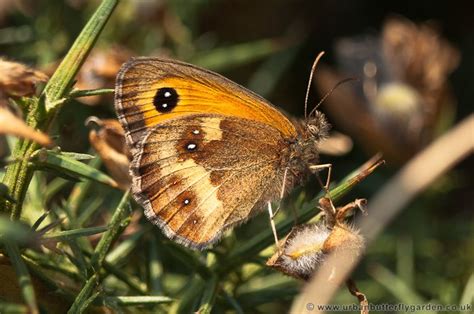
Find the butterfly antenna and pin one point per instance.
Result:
(313, 69)
(350, 79)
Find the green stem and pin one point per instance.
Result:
(83, 296)
(41, 112)
(18, 174)
(118, 223)
(90, 92)
(24, 278)
(59, 84)
(193, 290)
(209, 296)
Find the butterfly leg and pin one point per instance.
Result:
(317, 168)
(282, 193)
(272, 222)
(359, 203)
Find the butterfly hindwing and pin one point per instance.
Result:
(152, 90)
(200, 174)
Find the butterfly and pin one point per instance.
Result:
(208, 154)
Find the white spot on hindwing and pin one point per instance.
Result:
(192, 176)
(191, 146)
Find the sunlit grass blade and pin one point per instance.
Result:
(224, 58)
(39, 263)
(24, 278)
(77, 156)
(193, 291)
(83, 297)
(133, 282)
(76, 257)
(75, 233)
(6, 307)
(467, 296)
(190, 259)
(406, 260)
(81, 190)
(155, 268)
(233, 303)
(60, 162)
(122, 250)
(395, 285)
(118, 223)
(90, 92)
(209, 296)
(63, 77)
(39, 221)
(137, 300)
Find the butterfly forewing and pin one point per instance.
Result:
(200, 174)
(152, 90)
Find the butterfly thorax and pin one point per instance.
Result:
(303, 150)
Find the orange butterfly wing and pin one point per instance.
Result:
(231, 170)
(142, 81)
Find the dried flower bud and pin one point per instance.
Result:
(99, 71)
(10, 124)
(108, 140)
(398, 107)
(17, 79)
(337, 144)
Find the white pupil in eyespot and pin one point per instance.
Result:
(186, 201)
(167, 94)
(191, 146)
(164, 105)
(196, 132)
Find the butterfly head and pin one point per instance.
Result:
(316, 127)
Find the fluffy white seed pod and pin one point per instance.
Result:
(307, 246)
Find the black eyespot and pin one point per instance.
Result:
(191, 146)
(165, 99)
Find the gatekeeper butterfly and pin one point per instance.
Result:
(207, 153)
